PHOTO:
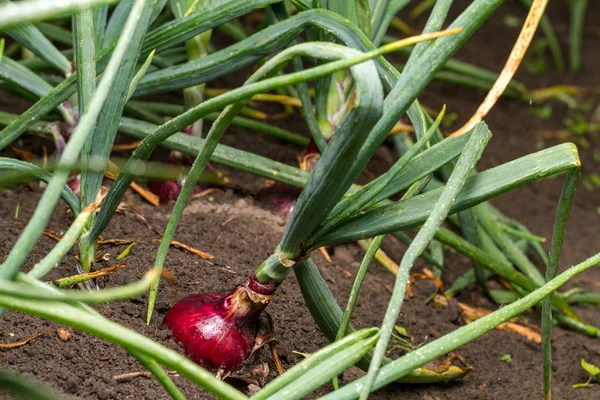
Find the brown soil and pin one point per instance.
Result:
(241, 235)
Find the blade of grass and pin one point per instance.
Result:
(564, 207)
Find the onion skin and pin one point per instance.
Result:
(218, 331)
(280, 197)
(167, 191)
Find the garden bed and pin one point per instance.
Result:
(240, 235)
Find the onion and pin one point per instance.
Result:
(281, 197)
(168, 191)
(218, 331)
(74, 183)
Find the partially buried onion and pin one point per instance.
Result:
(218, 331)
(281, 197)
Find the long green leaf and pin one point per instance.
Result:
(144, 150)
(85, 58)
(22, 290)
(180, 30)
(267, 41)
(167, 35)
(564, 208)
(37, 172)
(42, 213)
(31, 37)
(132, 341)
(368, 92)
(105, 131)
(24, 388)
(471, 154)
(224, 155)
(324, 188)
(116, 22)
(37, 10)
(317, 368)
(403, 365)
(19, 75)
(478, 188)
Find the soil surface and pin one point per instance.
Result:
(232, 227)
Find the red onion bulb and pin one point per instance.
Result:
(218, 331)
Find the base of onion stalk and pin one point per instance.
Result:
(218, 332)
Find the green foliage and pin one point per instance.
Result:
(147, 48)
(590, 369)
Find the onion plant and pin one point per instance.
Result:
(145, 47)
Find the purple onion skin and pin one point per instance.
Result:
(74, 183)
(167, 191)
(218, 331)
(279, 197)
